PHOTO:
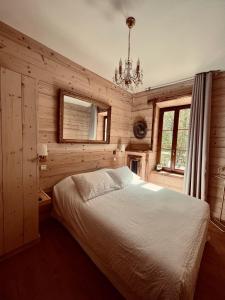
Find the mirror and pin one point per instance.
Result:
(83, 120)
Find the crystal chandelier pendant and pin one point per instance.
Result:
(128, 77)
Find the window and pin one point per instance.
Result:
(105, 123)
(173, 138)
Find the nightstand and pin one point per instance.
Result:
(45, 205)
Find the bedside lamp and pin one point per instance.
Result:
(42, 150)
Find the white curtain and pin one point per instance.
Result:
(196, 172)
(93, 123)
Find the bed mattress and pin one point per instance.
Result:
(147, 240)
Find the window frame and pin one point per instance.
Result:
(176, 110)
(105, 124)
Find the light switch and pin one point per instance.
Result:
(44, 167)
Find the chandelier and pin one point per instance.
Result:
(127, 77)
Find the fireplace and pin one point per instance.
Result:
(136, 161)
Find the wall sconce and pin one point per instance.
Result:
(42, 150)
(114, 155)
(122, 148)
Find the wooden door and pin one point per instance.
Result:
(18, 144)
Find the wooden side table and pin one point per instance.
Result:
(45, 205)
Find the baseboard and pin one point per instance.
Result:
(20, 249)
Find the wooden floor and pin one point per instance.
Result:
(211, 280)
(57, 268)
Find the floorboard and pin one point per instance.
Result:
(211, 279)
(57, 268)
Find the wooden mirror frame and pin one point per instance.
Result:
(107, 107)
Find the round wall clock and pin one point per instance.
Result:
(140, 129)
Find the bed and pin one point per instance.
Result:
(146, 239)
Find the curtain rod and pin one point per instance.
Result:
(169, 83)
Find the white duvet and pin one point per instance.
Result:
(147, 240)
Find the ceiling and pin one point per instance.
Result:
(173, 38)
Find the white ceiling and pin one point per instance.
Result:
(173, 38)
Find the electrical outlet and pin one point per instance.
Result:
(43, 167)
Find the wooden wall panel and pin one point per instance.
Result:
(30, 168)
(60, 166)
(173, 182)
(19, 204)
(63, 159)
(2, 92)
(11, 104)
(217, 145)
(52, 72)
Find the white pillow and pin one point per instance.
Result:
(122, 176)
(94, 184)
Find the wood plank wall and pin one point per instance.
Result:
(19, 206)
(11, 101)
(217, 145)
(52, 71)
(30, 166)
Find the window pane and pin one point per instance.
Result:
(182, 139)
(167, 139)
(181, 157)
(165, 159)
(184, 117)
(168, 118)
